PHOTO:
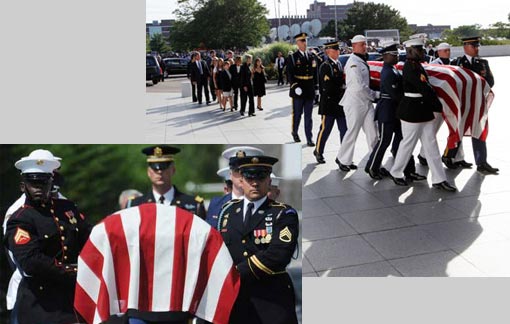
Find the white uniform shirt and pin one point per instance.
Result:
(169, 196)
(357, 82)
(256, 206)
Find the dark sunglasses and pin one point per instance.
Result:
(156, 166)
(255, 175)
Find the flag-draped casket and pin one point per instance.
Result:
(466, 98)
(155, 258)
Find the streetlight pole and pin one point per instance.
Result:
(336, 24)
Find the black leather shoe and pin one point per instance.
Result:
(208, 103)
(374, 174)
(449, 163)
(444, 186)
(296, 138)
(242, 114)
(413, 176)
(319, 157)
(422, 160)
(342, 167)
(352, 166)
(383, 172)
(487, 168)
(249, 115)
(260, 108)
(399, 181)
(463, 164)
(310, 144)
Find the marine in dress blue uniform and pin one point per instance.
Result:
(471, 61)
(261, 236)
(160, 159)
(385, 114)
(302, 72)
(332, 88)
(45, 237)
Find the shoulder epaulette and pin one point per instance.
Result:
(199, 199)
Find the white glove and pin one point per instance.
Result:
(316, 92)
(377, 94)
(298, 91)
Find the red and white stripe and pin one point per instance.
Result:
(155, 258)
(466, 98)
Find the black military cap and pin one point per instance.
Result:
(332, 45)
(390, 49)
(160, 157)
(301, 36)
(473, 40)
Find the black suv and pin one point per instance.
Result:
(175, 65)
(154, 72)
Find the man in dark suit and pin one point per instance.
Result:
(471, 61)
(261, 235)
(200, 76)
(231, 155)
(247, 87)
(331, 86)
(279, 65)
(302, 68)
(188, 74)
(235, 71)
(160, 171)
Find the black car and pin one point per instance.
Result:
(175, 66)
(154, 72)
(373, 56)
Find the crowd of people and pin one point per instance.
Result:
(45, 234)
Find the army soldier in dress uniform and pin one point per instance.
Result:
(261, 236)
(45, 237)
(160, 171)
(385, 114)
(416, 112)
(332, 87)
(357, 103)
(471, 61)
(302, 73)
(231, 154)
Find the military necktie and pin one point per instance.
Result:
(248, 214)
(162, 199)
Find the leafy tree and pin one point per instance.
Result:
(210, 24)
(329, 30)
(363, 16)
(147, 44)
(157, 44)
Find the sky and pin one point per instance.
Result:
(436, 12)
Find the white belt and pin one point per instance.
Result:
(413, 95)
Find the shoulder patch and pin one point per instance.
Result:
(199, 199)
(21, 237)
(326, 78)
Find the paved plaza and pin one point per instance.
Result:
(355, 226)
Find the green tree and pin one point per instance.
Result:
(454, 36)
(157, 44)
(329, 30)
(211, 24)
(147, 44)
(363, 16)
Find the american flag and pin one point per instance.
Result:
(466, 98)
(155, 258)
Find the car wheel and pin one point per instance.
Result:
(155, 81)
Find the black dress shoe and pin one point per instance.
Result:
(422, 160)
(413, 176)
(249, 115)
(374, 174)
(260, 108)
(310, 144)
(399, 181)
(208, 103)
(242, 114)
(449, 163)
(444, 186)
(319, 157)
(463, 164)
(384, 173)
(352, 166)
(296, 138)
(341, 166)
(487, 168)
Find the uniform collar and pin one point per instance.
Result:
(169, 196)
(234, 196)
(257, 204)
(470, 58)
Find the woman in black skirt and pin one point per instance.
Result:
(259, 82)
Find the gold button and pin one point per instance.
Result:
(76, 229)
(245, 253)
(52, 210)
(46, 236)
(65, 257)
(61, 228)
(65, 247)
(41, 287)
(243, 241)
(55, 218)
(62, 238)
(60, 263)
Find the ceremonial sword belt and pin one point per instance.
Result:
(413, 95)
(303, 77)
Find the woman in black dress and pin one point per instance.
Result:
(259, 82)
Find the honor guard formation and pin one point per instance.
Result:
(407, 107)
(45, 233)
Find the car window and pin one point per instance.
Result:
(150, 61)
